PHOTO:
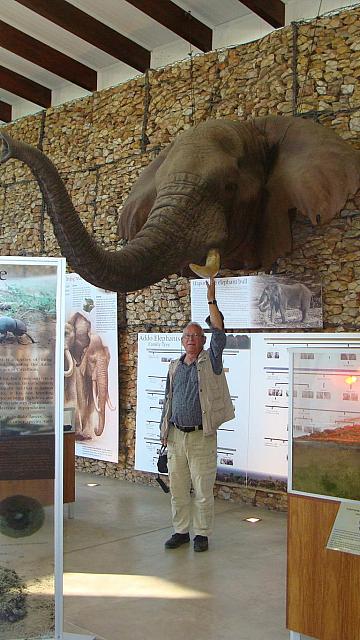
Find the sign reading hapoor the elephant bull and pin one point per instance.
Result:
(91, 369)
(261, 302)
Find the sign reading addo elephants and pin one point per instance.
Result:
(91, 369)
(261, 302)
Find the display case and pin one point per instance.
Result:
(324, 423)
(31, 447)
(324, 473)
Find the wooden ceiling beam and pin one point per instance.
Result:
(25, 88)
(81, 24)
(272, 11)
(46, 57)
(5, 111)
(177, 20)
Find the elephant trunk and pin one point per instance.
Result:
(169, 232)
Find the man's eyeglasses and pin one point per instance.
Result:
(193, 335)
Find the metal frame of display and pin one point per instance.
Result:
(59, 471)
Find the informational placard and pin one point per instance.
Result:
(345, 534)
(91, 369)
(261, 302)
(253, 447)
(155, 351)
(325, 422)
(31, 437)
(233, 436)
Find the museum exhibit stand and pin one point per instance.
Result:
(40, 489)
(323, 585)
(37, 452)
(323, 553)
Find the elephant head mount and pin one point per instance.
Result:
(222, 194)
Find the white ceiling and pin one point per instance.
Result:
(231, 21)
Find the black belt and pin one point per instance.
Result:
(198, 427)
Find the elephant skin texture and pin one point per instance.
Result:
(225, 188)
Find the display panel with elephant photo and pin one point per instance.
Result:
(254, 302)
(90, 381)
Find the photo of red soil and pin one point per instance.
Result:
(348, 434)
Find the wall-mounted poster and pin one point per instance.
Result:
(325, 423)
(91, 369)
(264, 301)
(155, 351)
(253, 447)
(31, 328)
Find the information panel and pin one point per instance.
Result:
(30, 432)
(253, 447)
(264, 301)
(91, 368)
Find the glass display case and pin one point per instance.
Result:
(324, 422)
(31, 435)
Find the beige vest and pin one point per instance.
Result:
(215, 401)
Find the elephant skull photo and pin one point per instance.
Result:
(221, 195)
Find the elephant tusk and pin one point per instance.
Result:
(95, 396)
(69, 361)
(110, 405)
(211, 267)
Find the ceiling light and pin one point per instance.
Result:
(92, 484)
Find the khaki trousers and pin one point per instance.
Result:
(192, 460)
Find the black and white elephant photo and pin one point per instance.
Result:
(86, 389)
(221, 195)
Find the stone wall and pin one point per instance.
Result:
(101, 143)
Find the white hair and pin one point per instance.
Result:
(193, 324)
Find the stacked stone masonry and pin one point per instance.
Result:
(101, 143)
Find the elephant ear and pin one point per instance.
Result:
(141, 198)
(310, 169)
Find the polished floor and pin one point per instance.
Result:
(121, 584)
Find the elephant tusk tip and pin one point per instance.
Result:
(210, 268)
(203, 271)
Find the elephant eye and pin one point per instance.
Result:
(230, 187)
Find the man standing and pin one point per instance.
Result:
(197, 402)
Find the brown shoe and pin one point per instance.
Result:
(177, 540)
(201, 543)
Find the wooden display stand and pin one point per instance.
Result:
(43, 489)
(323, 586)
(69, 467)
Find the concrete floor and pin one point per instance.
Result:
(120, 583)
